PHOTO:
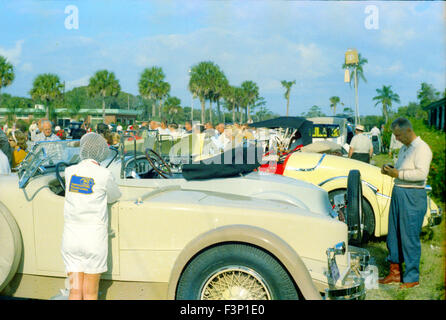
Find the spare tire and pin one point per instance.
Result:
(354, 214)
(10, 246)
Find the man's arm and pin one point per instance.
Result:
(350, 152)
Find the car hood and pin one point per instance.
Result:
(267, 187)
(188, 199)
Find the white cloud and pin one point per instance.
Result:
(381, 70)
(242, 56)
(436, 78)
(397, 36)
(13, 54)
(77, 83)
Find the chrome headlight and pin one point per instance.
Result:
(338, 248)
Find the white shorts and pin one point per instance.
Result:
(85, 248)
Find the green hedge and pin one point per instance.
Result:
(436, 141)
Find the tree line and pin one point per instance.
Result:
(207, 82)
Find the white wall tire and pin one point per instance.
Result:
(10, 247)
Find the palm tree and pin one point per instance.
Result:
(240, 102)
(219, 85)
(6, 73)
(229, 98)
(359, 72)
(172, 107)
(47, 87)
(148, 85)
(334, 102)
(287, 85)
(386, 96)
(251, 92)
(103, 84)
(201, 80)
(161, 93)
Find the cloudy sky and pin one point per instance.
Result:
(262, 41)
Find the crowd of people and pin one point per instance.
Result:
(18, 140)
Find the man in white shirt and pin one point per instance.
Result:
(47, 132)
(375, 131)
(375, 139)
(361, 147)
(408, 205)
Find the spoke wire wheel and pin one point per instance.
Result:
(235, 283)
(235, 271)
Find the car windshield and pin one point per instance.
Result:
(173, 148)
(326, 131)
(54, 152)
(47, 154)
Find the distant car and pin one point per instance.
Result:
(334, 129)
(73, 126)
(249, 236)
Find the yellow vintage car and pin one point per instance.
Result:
(248, 236)
(324, 163)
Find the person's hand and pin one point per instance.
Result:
(389, 170)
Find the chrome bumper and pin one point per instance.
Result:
(360, 276)
(353, 292)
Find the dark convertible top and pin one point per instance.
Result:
(231, 163)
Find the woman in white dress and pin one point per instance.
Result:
(88, 189)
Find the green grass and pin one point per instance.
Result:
(432, 263)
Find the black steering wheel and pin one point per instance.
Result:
(158, 164)
(58, 176)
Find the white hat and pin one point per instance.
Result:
(359, 127)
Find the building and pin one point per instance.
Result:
(93, 116)
(122, 116)
(437, 114)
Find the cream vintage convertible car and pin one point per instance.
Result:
(317, 163)
(250, 236)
